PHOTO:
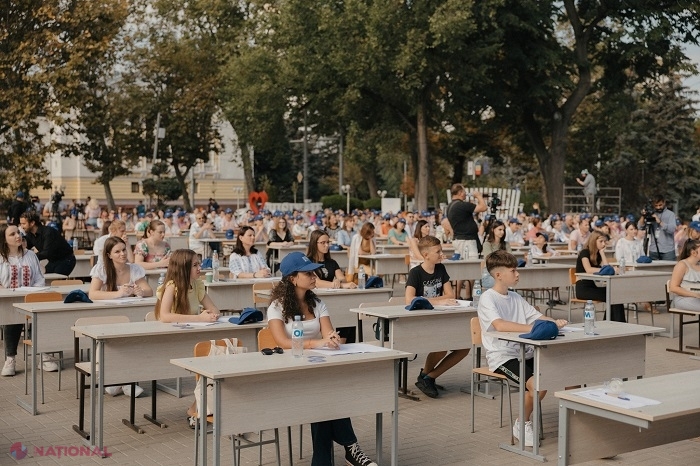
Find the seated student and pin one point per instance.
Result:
(430, 280)
(506, 311)
(539, 248)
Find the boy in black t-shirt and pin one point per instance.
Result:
(431, 280)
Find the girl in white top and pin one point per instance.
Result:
(686, 278)
(114, 277)
(18, 267)
(422, 230)
(540, 249)
(629, 247)
(291, 297)
(245, 261)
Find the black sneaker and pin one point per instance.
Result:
(437, 385)
(427, 386)
(356, 457)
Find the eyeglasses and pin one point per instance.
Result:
(270, 351)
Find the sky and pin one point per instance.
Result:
(693, 53)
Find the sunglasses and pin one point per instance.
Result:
(270, 351)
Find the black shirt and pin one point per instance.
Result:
(581, 269)
(327, 272)
(16, 209)
(461, 216)
(428, 285)
(50, 244)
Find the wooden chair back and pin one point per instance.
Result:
(43, 297)
(394, 300)
(150, 317)
(266, 285)
(68, 281)
(475, 327)
(572, 276)
(202, 348)
(265, 339)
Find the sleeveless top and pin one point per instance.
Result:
(691, 278)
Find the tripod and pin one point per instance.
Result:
(649, 228)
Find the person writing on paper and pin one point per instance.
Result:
(502, 310)
(193, 304)
(685, 279)
(245, 261)
(431, 280)
(590, 260)
(114, 277)
(18, 267)
(294, 296)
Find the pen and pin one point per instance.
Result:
(623, 398)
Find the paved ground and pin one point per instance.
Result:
(431, 432)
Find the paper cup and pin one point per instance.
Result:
(209, 277)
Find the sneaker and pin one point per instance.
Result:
(127, 391)
(427, 386)
(48, 364)
(437, 385)
(528, 432)
(9, 368)
(356, 457)
(114, 391)
(192, 421)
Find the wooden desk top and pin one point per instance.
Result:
(154, 328)
(604, 329)
(238, 365)
(678, 394)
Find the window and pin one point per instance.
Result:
(135, 187)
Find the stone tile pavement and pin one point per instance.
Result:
(431, 431)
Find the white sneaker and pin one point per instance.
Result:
(49, 364)
(114, 391)
(529, 437)
(9, 368)
(127, 391)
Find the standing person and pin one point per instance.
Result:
(398, 234)
(92, 212)
(245, 260)
(431, 280)
(589, 189)
(153, 252)
(502, 310)
(460, 215)
(422, 230)
(201, 228)
(629, 247)
(661, 243)
(496, 239)
(278, 234)
(294, 296)
(590, 260)
(686, 278)
(362, 243)
(48, 244)
(18, 267)
(17, 208)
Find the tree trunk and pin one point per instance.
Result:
(182, 180)
(110, 196)
(370, 178)
(423, 171)
(248, 159)
(551, 161)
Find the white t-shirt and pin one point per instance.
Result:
(511, 307)
(136, 273)
(312, 328)
(99, 246)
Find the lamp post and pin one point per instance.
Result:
(346, 189)
(238, 191)
(381, 193)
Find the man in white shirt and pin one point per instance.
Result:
(514, 235)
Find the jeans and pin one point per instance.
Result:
(323, 434)
(663, 256)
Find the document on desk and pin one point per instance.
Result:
(569, 328)
(461, 304)
(349, 348)
(121, 300)
(32, 289)
(623, 400)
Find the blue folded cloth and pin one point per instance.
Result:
(606, 270)
(644, 259)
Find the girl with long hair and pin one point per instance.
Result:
(245, 261)
(279, 233)
(294, 296)
(495, 239)
(422, 230)
(114, 277)
(590, 260)
(18, 267)
(685, 278)
(362, 243)
(329, 275)
(153, 252)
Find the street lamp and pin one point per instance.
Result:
(346, 189)
(238, 191)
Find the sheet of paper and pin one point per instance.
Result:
(32, 289)
(623, 400)
(461, 304)
(197, 324)
(121, 300)
(569, 328)
(349, 348)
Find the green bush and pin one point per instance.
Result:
(374, 203)
(339, 201)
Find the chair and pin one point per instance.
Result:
(572, 292)
(83, 370)
(150, 317)
(27, 342)
(202, 349)
(258, 286)
(65, 282)
(481, 375)
(681, 314)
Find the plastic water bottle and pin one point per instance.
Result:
(361, 278)
(589, 318)
(161, 279)
(215, 265)
(476, 293)
(579, 246)
(621, 266)
(297, 337)
(465, 251)
(75, 245)
(528, 262)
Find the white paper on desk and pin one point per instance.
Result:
(624, 400)
(120, 300)
(204, 324)
(349, 348)
(461, 304)
(32, 289)
(569, 328)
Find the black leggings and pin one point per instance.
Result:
(586, 289)
(12, 334)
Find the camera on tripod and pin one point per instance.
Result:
(494, 203)
(648, 213)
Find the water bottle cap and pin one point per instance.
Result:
(297, 318)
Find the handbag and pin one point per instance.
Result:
(215, 350)
(376, 327)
